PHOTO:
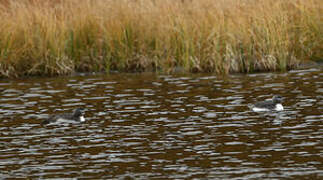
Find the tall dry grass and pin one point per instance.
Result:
(46, 37)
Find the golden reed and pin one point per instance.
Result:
(54, 37)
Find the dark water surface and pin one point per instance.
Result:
(145, 126)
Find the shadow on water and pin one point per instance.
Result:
(163, 126)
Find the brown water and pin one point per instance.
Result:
(148, 126)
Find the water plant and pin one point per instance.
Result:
(45, 37)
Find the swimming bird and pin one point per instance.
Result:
(77, 115)
(269, 105)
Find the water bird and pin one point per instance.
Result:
(77, 115)
(269, 105)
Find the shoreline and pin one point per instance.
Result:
(306, 66)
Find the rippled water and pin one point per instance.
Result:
(143, 126)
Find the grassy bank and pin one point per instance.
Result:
(46, 37)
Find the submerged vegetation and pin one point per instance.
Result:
(54, 37)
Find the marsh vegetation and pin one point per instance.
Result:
(43, 37)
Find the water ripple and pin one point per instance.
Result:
(163, 126)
